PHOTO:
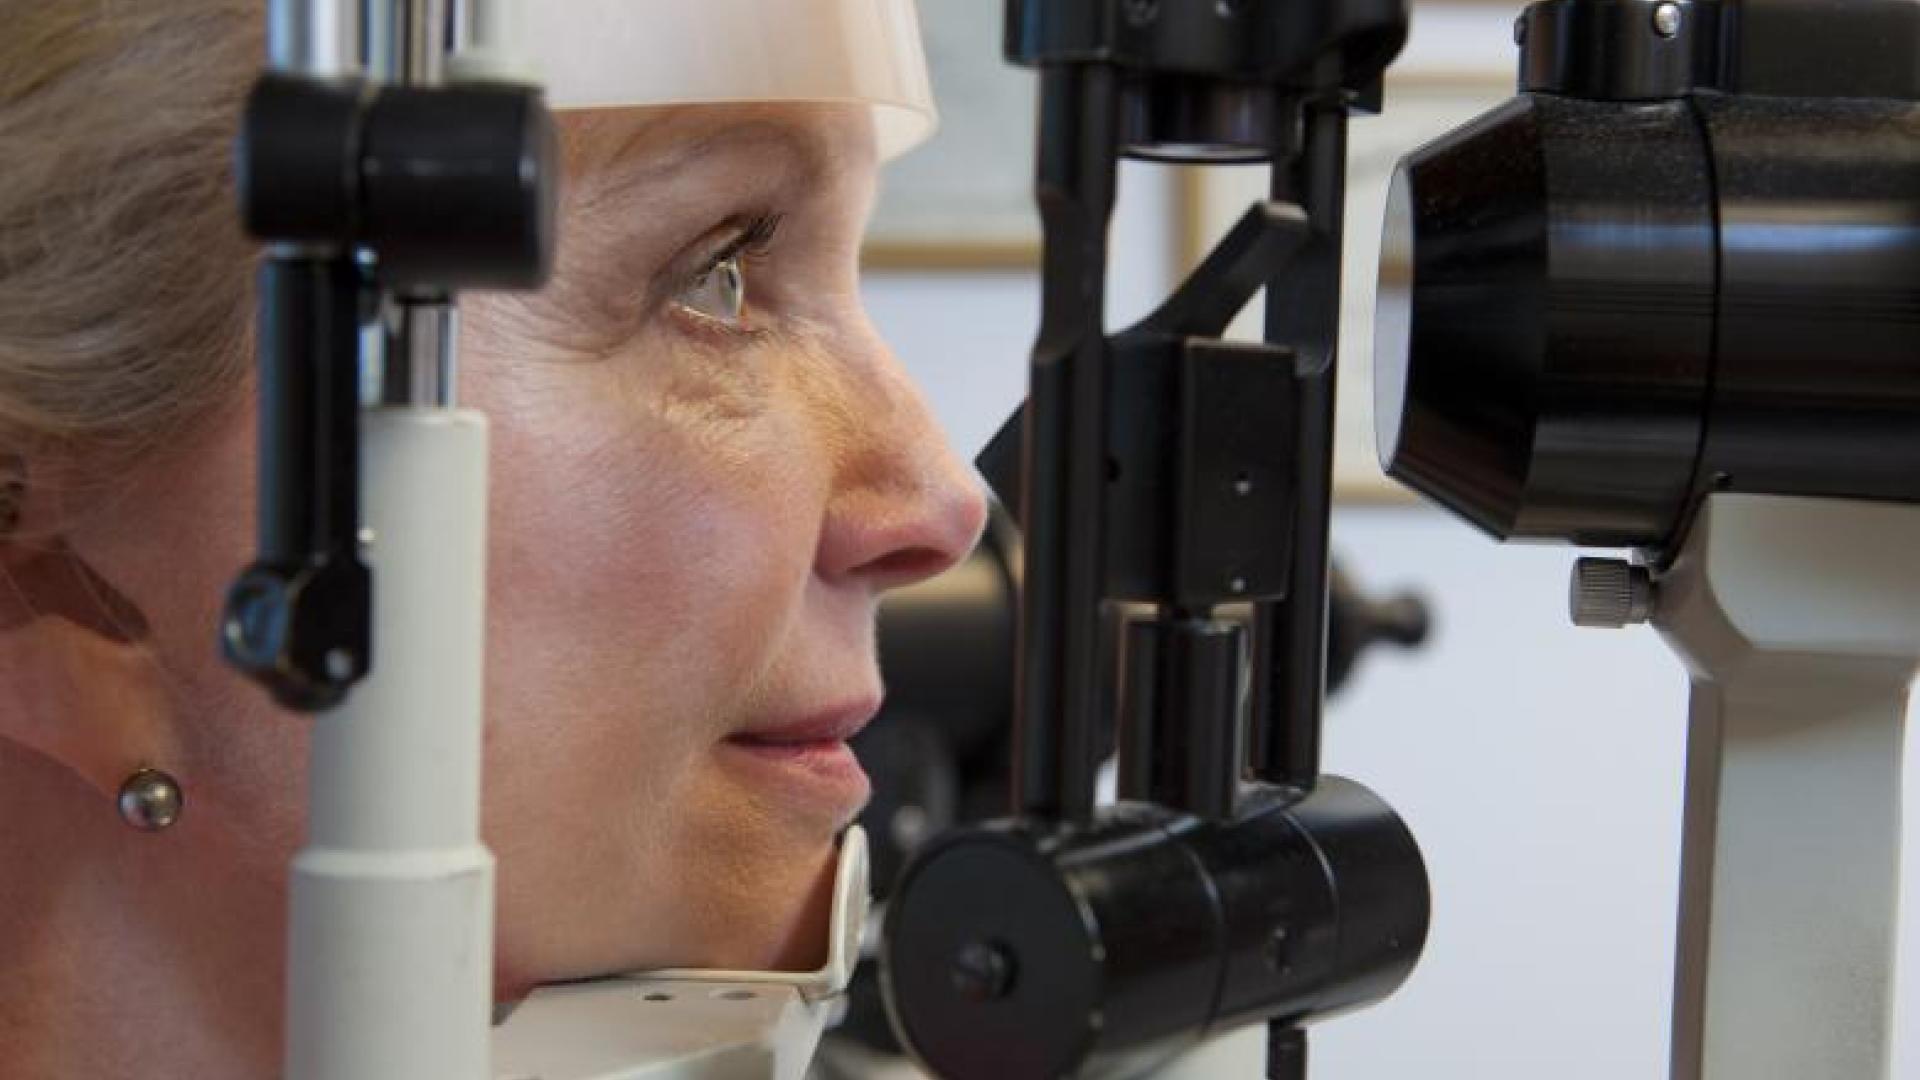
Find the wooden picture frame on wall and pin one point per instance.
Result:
(964, 200)
(1437, 91)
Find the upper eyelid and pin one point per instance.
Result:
(683, 269)
(749, 238)
(698, 257)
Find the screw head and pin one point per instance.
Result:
(1667, 19)
(1610, 593)
(981, 971)
(339, 664)
(1142, 12)
(256, 624)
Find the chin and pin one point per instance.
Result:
(733, 871)
(727, 918)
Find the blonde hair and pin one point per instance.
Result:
(125, 281)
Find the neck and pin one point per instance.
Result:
(122, 956)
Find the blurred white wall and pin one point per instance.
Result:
(1539, 766)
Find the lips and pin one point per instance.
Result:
(829, 726)
(807, 759)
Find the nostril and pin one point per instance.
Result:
(909, 564)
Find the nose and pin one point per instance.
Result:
(904, 506)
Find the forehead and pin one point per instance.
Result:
(800, 142)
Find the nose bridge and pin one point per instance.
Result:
(887, 439)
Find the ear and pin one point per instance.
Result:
(78, 687)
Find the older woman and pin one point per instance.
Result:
(707, 469)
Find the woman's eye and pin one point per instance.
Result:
(719, 293)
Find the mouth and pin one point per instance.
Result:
(807, 757)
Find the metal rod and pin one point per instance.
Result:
(316, 38)
(481, 36)
(308, 438)
(1196, 745)
(420, 358)
(407, 41)
(1058, 694)
(1139, 706)
(1286, 1052)
(1303, 311)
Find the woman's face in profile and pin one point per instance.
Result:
(707, 468)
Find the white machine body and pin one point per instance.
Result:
(1799, 619)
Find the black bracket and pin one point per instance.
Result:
(1200, 434)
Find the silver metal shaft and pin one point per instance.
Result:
(407, 41)
(316, 38)
(420, 359)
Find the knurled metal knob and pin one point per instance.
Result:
(1610, 593)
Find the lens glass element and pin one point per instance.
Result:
(1393, 319)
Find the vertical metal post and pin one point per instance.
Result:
(316, 38)
(1136, 725)
(407, 43)
(406, 40)
(1286, 1052)
(419, 359)
(1180, 743)
(1303, 311)
(1058, 696)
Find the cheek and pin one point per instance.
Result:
(645, 567)
(652, 557)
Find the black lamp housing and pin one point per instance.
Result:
(1685, 259)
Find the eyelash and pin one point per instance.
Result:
(752, 242)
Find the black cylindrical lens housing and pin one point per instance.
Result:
(1558, 335)
(1609, 308)
(1018, 952)
(1817, 389)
